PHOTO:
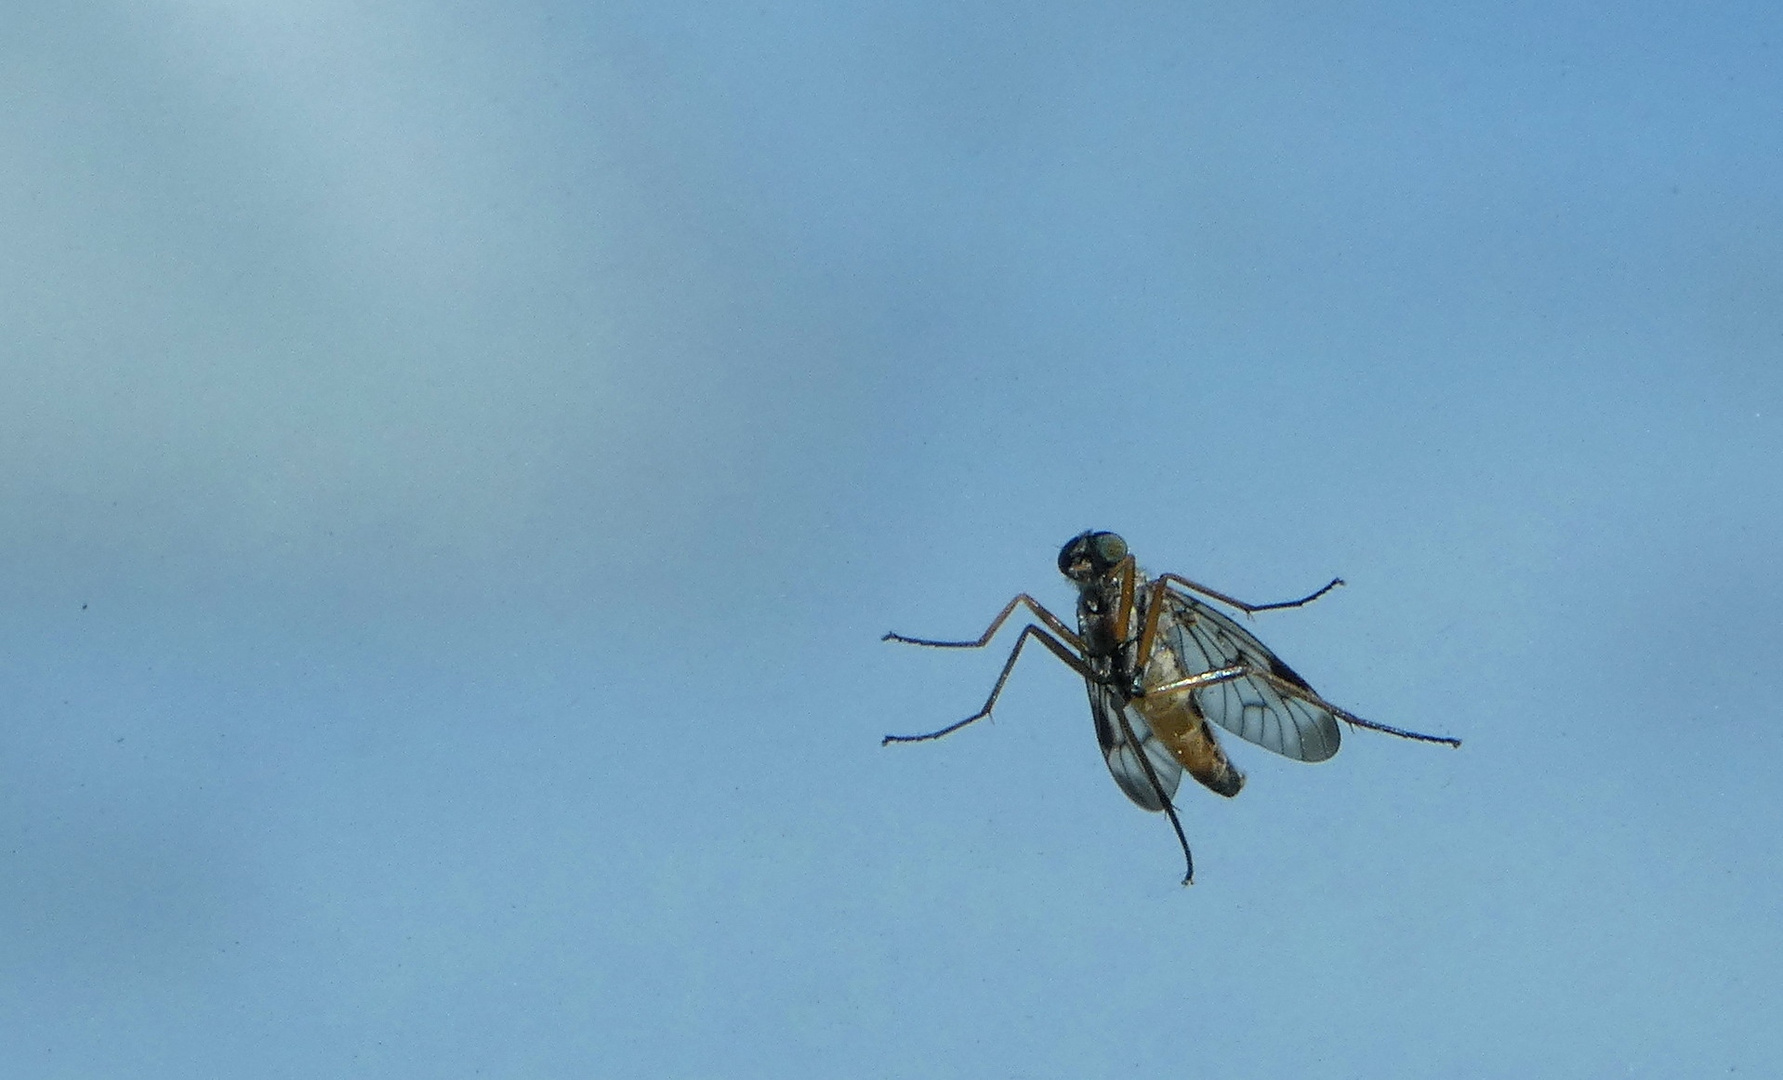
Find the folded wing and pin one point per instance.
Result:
(1109, 707)
(1257, 710)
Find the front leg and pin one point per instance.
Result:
(1071, 659)
(1053, 623)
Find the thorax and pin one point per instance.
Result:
(1111, 643)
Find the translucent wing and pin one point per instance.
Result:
(1202, 638)
(1107, 706)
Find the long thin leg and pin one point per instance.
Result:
(1059, 650)
(1188, 877)
(1245, 671)
(1248, 609)
(1053, 623)
(1154, 609)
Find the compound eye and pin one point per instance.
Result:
(1076, 549)
(1111, 548)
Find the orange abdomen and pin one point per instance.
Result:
(1178, 722)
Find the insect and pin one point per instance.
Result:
(1159, 663)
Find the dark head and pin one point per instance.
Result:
(1091, 555)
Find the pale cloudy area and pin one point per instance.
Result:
(456, 464)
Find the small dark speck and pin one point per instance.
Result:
(119, 739)
(83, 607)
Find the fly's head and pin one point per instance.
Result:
(1091, 561)
(1091, 557)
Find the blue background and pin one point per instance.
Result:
(456, 463)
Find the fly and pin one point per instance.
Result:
(1159, 663)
